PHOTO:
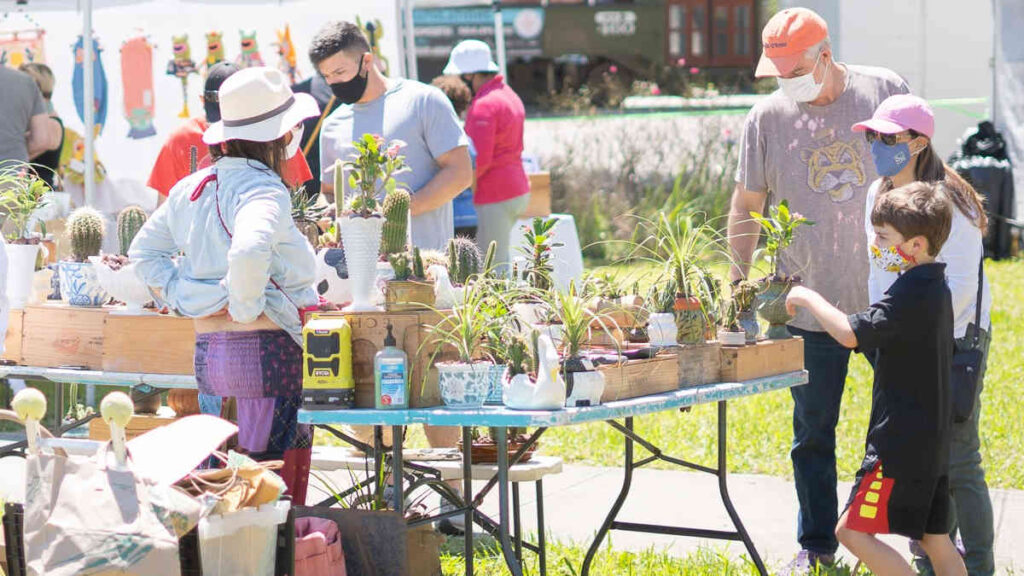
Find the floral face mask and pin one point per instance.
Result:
(890, 258)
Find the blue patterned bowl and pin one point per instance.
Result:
(79, 285)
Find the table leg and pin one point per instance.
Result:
(517, 526)
(467, 496)
(541, 537)
(627, 480)
(378, 468)
(723, 489)
(397, 477)
(506, 545)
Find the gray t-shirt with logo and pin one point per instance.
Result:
(422, 117)
(809, 156)
(20, 100)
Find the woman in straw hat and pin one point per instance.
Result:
(244, 270)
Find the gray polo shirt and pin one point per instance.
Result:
(20, 100)
(422, 117)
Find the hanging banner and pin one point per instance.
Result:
(21, 47)
(99, 95)
(137, 80)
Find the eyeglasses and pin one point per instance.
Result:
(887, 139)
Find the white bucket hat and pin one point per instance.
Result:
(470, 57)
(257, 104)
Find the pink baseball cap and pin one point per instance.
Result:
(899, 113)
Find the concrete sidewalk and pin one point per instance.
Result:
(577, 500)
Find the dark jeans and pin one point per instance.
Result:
(815, 415)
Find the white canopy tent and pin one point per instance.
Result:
(400, 15)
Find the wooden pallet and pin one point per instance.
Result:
(766, 358)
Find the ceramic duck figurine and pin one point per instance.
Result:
(445, 294)
(548, 392)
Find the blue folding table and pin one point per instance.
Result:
(501, 419)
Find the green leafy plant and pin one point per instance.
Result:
(488, 265)
(538, 251)
(661, 298)
(307, 213)
(578, 321)
(371, 171)
(744, 294)
(730, 316)
(21, 194)
(467, 326)
(779, 229)
(85, 228)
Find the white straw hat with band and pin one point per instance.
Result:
(257, 104)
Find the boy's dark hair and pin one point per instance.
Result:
(917, 209)
(456, 91)
(334, 37)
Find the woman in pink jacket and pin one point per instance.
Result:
(494, 123)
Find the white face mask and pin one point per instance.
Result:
(293, 146)
(803, 88)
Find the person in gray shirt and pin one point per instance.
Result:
(436, 148)
(26, 129)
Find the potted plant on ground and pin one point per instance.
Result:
(371, 171)
(465, 382)
(116, 274)
(409, 290)
(744, 294)
(21, 195)
(79, 284)
(779, 228)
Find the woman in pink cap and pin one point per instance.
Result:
(899, 134)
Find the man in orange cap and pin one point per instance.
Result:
(797, 146)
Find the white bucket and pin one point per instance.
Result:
(242, 542)
(21, 265)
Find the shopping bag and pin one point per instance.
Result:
(84, 515)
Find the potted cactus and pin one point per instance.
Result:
(395, 233)
(779, 228)
(22, 194)
(409, 290)
(744, 295)
(79, 284)
(116, 274)
(371, 172)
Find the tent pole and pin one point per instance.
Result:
(499, 37)
(89, 103)
(411, 71)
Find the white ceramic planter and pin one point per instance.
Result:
(79, 285)
(124, 285)
(361, 238)
(726, 338)
(21, 265)
(661, 329)
(464, 386)
(587, 388)
(331, 268)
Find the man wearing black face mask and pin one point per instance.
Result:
(318, 88)
(396, 109)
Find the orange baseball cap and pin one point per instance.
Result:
(786, 37)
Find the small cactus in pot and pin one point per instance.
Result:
(464, 260)
(396, 222)
(409, 290)
(85, 230)
(129, 222)
(79, 284)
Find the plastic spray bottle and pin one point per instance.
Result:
(391, 376)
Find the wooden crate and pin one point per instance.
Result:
(409, 328)
(57, 335)
(766, 358)
(137, 426)
(636, 378)
(540, 196)
(12, 342)
(699, 364)
(149, 344)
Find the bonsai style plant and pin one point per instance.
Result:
(21, 195)
(371, 172)
(779, 229)
(744, 294)
(116, 274)
(79, 284)
(409, 290)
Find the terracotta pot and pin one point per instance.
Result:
(183, 402)
(402, 296)
(690, 322)
(771, 305)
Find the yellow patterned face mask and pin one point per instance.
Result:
(890, 259)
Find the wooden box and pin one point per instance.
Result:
(700, 364)
(148, 344)
(766, 358)
(137, 426)
(409, 328)
(57, 335)
(540, 196)
(640, 378)
(12, 342)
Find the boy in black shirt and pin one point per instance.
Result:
(903, 485)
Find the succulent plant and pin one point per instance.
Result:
(417, 264)
(400, 264)
(85, 229)
(434, 257)
(129, 222)
(396, 222)
(464, 259)
(306, 214)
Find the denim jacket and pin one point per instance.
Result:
(214, 270)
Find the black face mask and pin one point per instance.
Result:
(351, 91)
(468, 81)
